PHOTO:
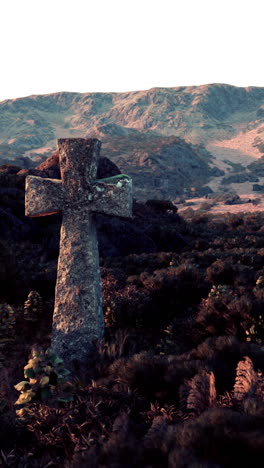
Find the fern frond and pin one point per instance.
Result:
(202, 392)
(245, 379)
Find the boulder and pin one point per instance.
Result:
(258, 188)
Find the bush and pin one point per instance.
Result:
(162, 205)
(221, 272)
(224, 312)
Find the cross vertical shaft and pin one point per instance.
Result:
(78, 300)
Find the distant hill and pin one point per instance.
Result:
(172, 141)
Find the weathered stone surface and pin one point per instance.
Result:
(51, 199)
(109, 196)
(78, 318)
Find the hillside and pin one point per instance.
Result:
(170, 140)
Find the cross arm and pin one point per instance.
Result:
(43, 196)
(112, 196)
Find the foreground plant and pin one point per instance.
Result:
(33, 306)
(46, 380)
(255, 330)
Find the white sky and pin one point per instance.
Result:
(123, 45)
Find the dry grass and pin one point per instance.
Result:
(240, 147)
(221, 208)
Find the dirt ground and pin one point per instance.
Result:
(249, 203)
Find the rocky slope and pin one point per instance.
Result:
(170, 140)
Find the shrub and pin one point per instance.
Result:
(218, 437)
(205, 206)
(162, 205)
(224, 312)
(142, 372)
(221, 272)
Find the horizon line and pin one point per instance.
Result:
(129, 91)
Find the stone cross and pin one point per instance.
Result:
(78, 317)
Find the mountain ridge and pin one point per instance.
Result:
(213, 119)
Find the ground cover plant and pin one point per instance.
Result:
(178, 380)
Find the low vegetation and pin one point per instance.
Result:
(178, 380)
